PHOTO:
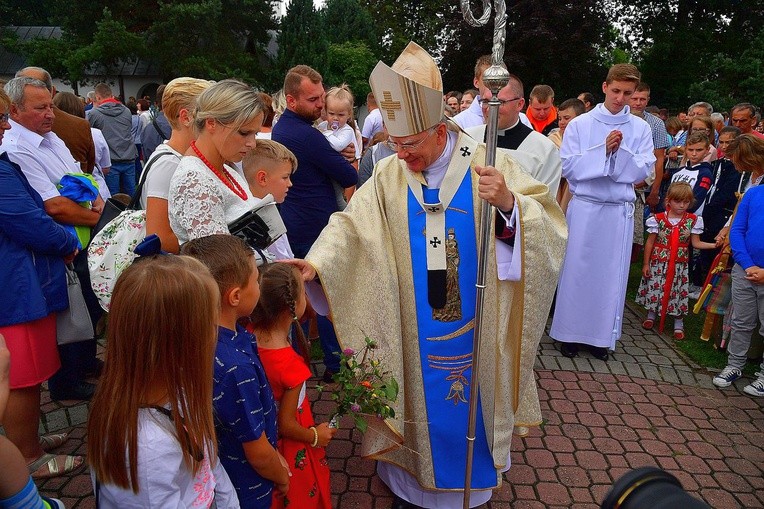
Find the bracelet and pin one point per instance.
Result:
(315, 436)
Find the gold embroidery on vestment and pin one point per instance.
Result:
(462, 211)
(389, 105)
(456, 366)
(458, 332)
(452, 311)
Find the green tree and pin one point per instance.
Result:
(348, 21)
(203, 38)
(112, 45)
(679, 45)
(731, 80)
(302, 40)
(537, 50)
(24, 12)
(422, 21)
(76, 17)
(351, 63)
(198, 38)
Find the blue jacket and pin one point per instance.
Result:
(311, 200)
(746, 233)
(32, 274)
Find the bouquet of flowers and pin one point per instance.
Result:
(363, 387)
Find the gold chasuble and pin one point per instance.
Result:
(363, 259)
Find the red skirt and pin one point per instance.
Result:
(34, 352)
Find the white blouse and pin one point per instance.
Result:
(163, 479)
(652, 224)
(200, 204)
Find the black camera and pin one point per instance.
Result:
(649, 488)
(252, 229)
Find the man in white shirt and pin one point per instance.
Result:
(372, 124)
(44, 159)
(473, 115)
(536, 153)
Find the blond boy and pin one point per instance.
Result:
(268, 169)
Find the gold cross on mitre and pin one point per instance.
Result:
(389, 105)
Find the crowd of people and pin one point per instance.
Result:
(202, 397)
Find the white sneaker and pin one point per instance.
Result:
(755, 388)
(727, 376)
(694, 295)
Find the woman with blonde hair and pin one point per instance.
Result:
(151, 434)
(178, 101)
(268, 116)
(278, 104)
(206, 192)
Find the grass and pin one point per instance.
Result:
(702, 352)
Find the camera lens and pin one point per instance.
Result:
(649, 488)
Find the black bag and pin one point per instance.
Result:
(111, 209)
(114, 207)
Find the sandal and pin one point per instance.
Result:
(50, 465)
(648, 324)
(679, 335)
(53, 441)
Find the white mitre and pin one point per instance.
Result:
(410, 93)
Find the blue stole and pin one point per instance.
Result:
(446, 346)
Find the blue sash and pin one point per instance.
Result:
(445, 343)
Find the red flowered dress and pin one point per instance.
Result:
(665, 291)
(309, 485)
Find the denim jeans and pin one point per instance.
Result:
(121, 177)
(138, 163)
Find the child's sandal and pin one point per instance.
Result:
(679, 335)
(648, 324)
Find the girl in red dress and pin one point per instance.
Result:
(665, 271)
(301, 441)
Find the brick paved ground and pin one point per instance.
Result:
(646, 406)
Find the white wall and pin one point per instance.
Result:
(132, 86)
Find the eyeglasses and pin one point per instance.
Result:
(502, 102)
(409, 147)
(4, 117)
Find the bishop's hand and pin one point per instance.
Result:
(493, 188)
(307, 271)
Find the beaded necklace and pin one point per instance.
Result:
(223, 175)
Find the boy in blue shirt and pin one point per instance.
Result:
(697, 172)
(245, 411)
